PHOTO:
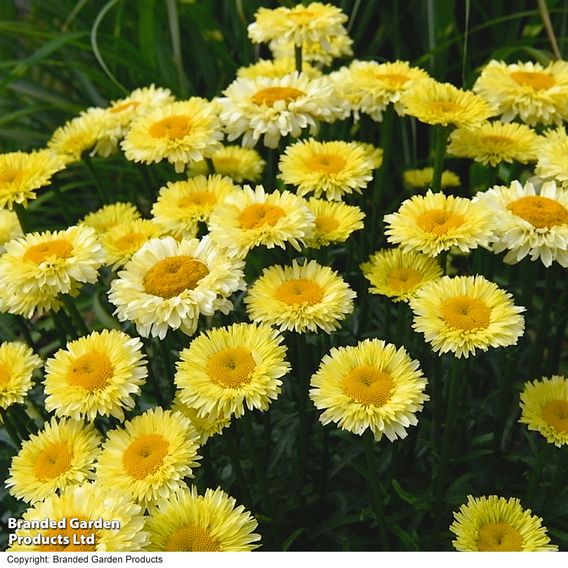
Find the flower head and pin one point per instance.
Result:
(17, 364)
(206, 426)
(277, 68)
(372, 385)
(10, 227)
(313, 51)
(465, 314)
(422, 178)
(496, 524)
(552, 156)
(108, 216)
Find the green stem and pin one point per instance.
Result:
(23, 327)
(95, 178)
(298, 57)
(543, 328)
(24, 421)
(59, 329)
(10, 427)
(22, 214)
(210, 166)
(233, 450)
(542, 459)
(441, 136)
(62, 205)
(303, 390)
(559, 479)
(177, 52)
(75, 315)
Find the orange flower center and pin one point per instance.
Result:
(537, 80)
(328, 163)
(403, 279)
(5, 375)
(440, 221)
(91, 371)
(130, 242)
(260, 214)
(57, 248)
(231, 368)
(198, 198)
(171, 127)
(555, 413)
(299, 291)
(326, 224)
(499, 537)
(53, 461)
(171, 276)
(268, 96)
(368, 385)
(445, 107)
(10, 175)
(192, 538)
(541, 212)
(497, 139)
(145, 455)
(465, 313)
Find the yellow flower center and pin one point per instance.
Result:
(145, 455)
(445, 107)
(535, 79)
(231, 368)
(541, 212)
(5, 375)
(260, 214)
(226, 163)
(171, 276)
(497, 139)
(440, 221)
(301, 15)
(75, 538)
(124, 106)
(465, 313)
(555, 413)
(403, 279)
(192, 538)
(268, 96)
(57, 248)
(130, 242)
(299, 291)
(499, 537)
(328, 163)
(91, 371)
(171, 127)
(197, 198)
(368, 385)
(326, 224)
(53, 461)
(395, 79)
(10, 175)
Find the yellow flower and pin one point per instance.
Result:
(249, 218)
(21, 173)
(313, 51)
(17, 364)
(9, 227)
(189, 522)
(74, 510)
(276, 68)
(552, 156)
(95, 375)
(544, 406)
(332, 168)
(124, 239)
(374, 153)
(150, 456)
(372, 385)
(181, 205)
(307, 297)
(529, 223)
(495, 142)
(181, 132)
(535, 94)
(398, 274)
(465, 314)
(108, 216)
(238, 163)
(496, 524)
(225, 369)
(435, 222)
(276, 107)
(62, 454)
(334, 222)
(38, 267)
(422, 178)
(168, 284)
(442, 103)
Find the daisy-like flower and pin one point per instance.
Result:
(10, 227)
(496, 524)
(62, 454)
(544, 406)
(22, 173)
(529, 223)
(182, 204)
(124, 239)
(108, 216)
(225, 369)
(248, 218)
(275, 107)
(535, 94)
(189, 522)
(465, 314)
(435, 222)
(17, 364)
(238, 163)
(302, 297)
(95, 375)
(314, 23)
(332, 168)
(334, 222)
(38, 267)
(206, 426)
(442, 103)
(495, 142)
(422, 178)
(398, 274)
(180, 132)
(149, 457)
(369, 87)
(168, 284)
(276, 68)
(372, 385)
(88, 518)
(338, 46)
(553, 156)
(374, 153)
